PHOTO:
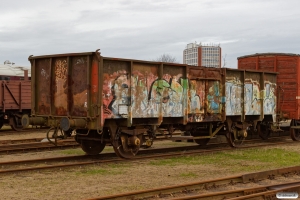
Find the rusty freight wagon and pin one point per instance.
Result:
(15, 95)
(288, 80)
(126, 102)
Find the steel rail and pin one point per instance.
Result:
(158, 153)
(36, 146)
(188, 189)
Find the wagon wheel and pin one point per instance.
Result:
(1, 123)
(15, 123)
(68, 133)
(202, 142)
(234, 142)
(263, 131)
(295, 134)
(92, 147)
(197, 133)
(146, 142)
(121, 147)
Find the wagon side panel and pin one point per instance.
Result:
(250, 63)
(269, 96)
(15, 95)
(288, 84)
(253, 86)
(78, 86)
(206, 98)
(234, 92)
(41, 86)
(116, 88)
(66, 85)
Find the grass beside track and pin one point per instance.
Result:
(106, 179)
(239, 161)
(262, 157)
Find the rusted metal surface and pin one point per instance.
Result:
(205, 94)
(287, 65)
(62, 85)
(97, 89)
(15, 95)
(148, 92)
(42, 80)
(78, 86)
(234, 93)
(15, 98)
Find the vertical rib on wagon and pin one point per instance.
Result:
(66, 91)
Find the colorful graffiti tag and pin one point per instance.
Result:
(270, 98)
(252, 98)
(144, 92)
(149, 96)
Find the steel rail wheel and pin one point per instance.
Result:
(92, 147)
(201, 142)
(121, 147)
(68, 133)
(197, 133)
(295, 134)
(234, 142)
(1, 123)
(263, 131)
(16, 124)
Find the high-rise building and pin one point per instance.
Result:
(202, 55)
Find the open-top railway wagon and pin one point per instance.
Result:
(288, 67)
(15, 95)
(126, 102)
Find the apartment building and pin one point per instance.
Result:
(202, 55)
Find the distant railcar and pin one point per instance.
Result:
(125, 102)
(15, 95)
(288, 80)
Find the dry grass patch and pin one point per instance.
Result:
(105, 179)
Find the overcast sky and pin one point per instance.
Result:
(146, 29)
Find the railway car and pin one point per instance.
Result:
(126, 102)
(15, 95)
(288, 67)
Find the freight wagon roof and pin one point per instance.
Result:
(13, 70)
(269, 54)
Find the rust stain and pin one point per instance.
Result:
(60, 94)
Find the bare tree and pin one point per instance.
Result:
(166, 58)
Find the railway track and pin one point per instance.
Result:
(71, 161)
(34, 144)
(19, 141)
(245, 186)
(6, 130)
(21, 146)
